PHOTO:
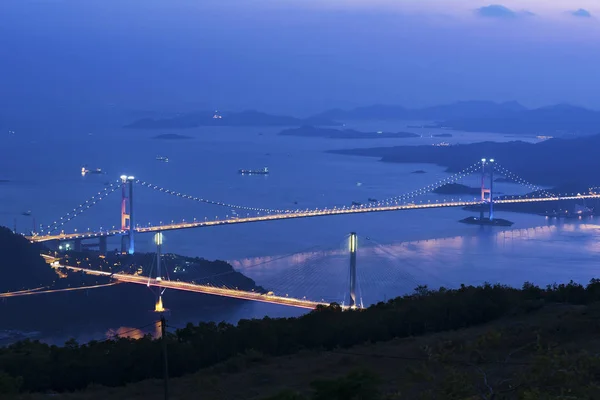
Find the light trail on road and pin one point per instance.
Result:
(32, 292)
(212, 290)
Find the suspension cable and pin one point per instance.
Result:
(111, 188)
(207, 201)
(521, 181)
(429, 188)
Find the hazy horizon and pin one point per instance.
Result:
(297, 57)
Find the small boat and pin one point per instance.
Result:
(486, 221)
(264, 171)
(95, 171)
(161, 158)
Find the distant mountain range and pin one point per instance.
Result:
(552, 120)
(462, 109)
(311, 131)
(473, 116)
(244, 118)
(554, 162)
(484, 116)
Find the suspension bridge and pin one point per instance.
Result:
(53, 234)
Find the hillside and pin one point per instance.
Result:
(553, 120)
(517, 342)
(534, 351)
(484, 116)
(21, 265)
(554, 162)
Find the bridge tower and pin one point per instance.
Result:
(158, 240)
(487, 194)
(353, 247)
(127, 242)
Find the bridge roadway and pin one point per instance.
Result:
(37, 291)
(300, 214)
(192, 287)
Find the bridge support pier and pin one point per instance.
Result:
(127, 214)
(158, 240)
(353, 248)
(487, 195)
(491, 189)
(77, 245)
(124, 244)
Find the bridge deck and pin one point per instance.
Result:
(301, 214)
(212, 290)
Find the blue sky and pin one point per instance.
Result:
(296, 56)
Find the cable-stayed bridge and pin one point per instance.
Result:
(54, 233)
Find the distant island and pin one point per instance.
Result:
(443, 135)
(552, 120)
(471, 116)
(461, 109)
(554, 162)
(483, 116)
(244, 118)
(419, 171)
(171, 136)
(311, 131)
(457, 188)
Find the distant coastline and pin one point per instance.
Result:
(482, 116)
(311, 131)
(244, 118)
(470, 116)
(538, 163)
(456, 188)
(171, 136)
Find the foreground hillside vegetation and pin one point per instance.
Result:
(538, 343)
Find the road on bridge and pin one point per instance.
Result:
(192, 287)
(300, 214)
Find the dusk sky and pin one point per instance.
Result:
(296, 56)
